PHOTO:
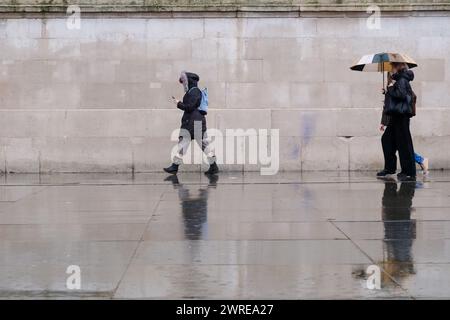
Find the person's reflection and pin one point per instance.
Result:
(399, 230)
(194, 208)
(191, 280)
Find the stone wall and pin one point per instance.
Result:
(97, 99)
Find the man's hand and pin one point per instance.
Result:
(175, 100)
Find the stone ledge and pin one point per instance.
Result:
(224, 7)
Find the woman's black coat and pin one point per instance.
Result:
(399, 96)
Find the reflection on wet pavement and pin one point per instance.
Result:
(301, 235)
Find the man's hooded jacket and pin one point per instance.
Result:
(191, 101)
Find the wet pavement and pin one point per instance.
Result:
(288, 236)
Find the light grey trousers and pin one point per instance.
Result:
(184, 143)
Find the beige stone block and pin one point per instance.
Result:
(153, 95)
(333, 50)
(106, 50)
(64, 71)
(98, 71)
(59, 49)
(424, 26)
(106, 123)
(436, 148)
(169, 49)
(258, 95)
(162, 123)
(367, 95)
(216, 94)
(224, 119)
(217, 48)
(101, 95)
(305, 123)
(58, 29)
(223, 28)
(430, 122)
(129, 95)
(290, 153)
(20, 155)
(164, 70)
(279, 28)
(31, 123)
(23, 28)
(430, 70)
(3, 28)
(327, 153)
(338, 27)
(433, 47)
(30, 71)
(274, 48)
(134, 71)
(366, 153)
(293, 70)
(19, 48)
(50, 96)
(338, 70)
(118, 30)
(240, 70)
(178, 28)
(10, 95)
(320, 95)
(86, 155)
(385, 28)
(435, 95)
(358, 122)
(206, 69)
(152, 153)
(2, 160)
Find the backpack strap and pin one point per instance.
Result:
(193, 88)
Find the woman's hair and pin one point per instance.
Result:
(399, 65)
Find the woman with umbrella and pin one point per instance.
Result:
(397, 114)
(397, 111)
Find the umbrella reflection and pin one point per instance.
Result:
(399, 230)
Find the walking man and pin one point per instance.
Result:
(192, 119)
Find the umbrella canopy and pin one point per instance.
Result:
(381, 62)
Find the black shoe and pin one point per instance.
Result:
(173, 179)
(384, 173)
(173, 169)
(213, 169)
(405, 178)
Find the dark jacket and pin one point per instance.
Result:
(397, 95)
(191, 101)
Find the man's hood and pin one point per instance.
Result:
(407, 74)
(189, 77)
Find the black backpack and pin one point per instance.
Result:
(402, 107)
(413, 103)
